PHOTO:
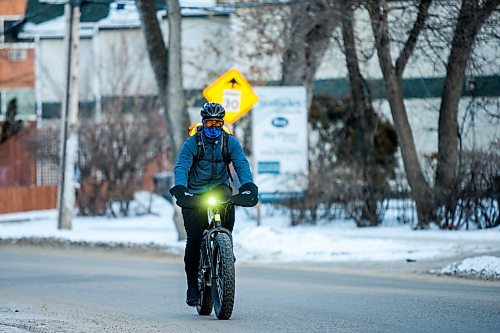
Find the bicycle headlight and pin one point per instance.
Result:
(212, 201)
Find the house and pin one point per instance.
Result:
(17, 62)
(113, 61)
(113, 65)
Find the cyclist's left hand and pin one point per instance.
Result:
(248, 195)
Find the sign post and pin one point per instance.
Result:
(280, 142)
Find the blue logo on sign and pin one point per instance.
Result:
(280, 122)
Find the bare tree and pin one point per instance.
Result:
(160, 58)
(166, 65)
(311, 26)
(298, 34)
(112, 155)
(363, 116)
(421, 191)
(472, 15)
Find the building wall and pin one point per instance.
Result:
(121, 64)
(114, 62)
(17, 78)
(17, 66)
(13, 7)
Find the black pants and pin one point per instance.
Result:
(195, 222)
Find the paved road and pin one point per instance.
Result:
(75, 290)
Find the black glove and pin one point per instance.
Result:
(248, 195)
(183, 196)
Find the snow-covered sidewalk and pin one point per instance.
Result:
(273, 241)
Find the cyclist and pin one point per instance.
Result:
(195, 174)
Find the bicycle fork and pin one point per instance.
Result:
(216, 227)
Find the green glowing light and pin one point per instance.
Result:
(212, 201)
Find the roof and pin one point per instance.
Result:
(47, 20)
(38, 11)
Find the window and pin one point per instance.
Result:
(25, 102)
(10, 30)
(17, 54)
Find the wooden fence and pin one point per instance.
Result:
(21, 199)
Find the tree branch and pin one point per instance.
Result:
(157, 50)
(486, 10)
(423, 13)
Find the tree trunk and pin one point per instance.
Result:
(421, 190)
(159, 59)
(168, 80)
(311, 30)
(176, 100)
(471, 18)
(157, 50)
(364, 119)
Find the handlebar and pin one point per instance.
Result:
(220, 197)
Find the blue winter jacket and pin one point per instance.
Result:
(211, 171)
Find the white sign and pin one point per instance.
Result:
(280, 147)
(231, 100)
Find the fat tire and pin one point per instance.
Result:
(224, 307)
(205, 308)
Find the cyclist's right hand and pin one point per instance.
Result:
(183, 197)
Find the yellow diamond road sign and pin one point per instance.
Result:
(234, 92)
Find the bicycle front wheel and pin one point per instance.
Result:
(223, 281)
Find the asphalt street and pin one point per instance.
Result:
(79, 290)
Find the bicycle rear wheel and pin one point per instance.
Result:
(205, 307)
(223, 281)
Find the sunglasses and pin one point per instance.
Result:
(212, 123)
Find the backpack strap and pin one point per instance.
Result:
(225, 153)
(200, 147)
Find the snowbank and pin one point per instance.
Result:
(485, 267)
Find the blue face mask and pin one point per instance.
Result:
(212, 132)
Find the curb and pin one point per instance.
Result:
(65, 243)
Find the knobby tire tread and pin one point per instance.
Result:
(224, 308)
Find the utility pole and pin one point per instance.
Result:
(69, 119)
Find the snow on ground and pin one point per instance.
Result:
(482, 267)
(273, 241)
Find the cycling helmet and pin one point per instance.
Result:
(212, 110)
